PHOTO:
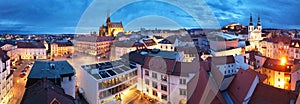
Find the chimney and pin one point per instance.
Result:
(52, 66)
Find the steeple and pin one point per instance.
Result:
(108, 17)
(258, 22)
(251, 23)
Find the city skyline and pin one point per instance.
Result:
(62, 17)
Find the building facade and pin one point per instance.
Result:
(97, 46)
(60, 73)
(278, 75)
(102, 82)
(61, 48)
(254, 34)
(111, 28)
(31, 50)
(6, 79)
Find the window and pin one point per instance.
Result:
(154, 75)
(154, 85)
(182, 91)
(278, 80)
(163, 87)
(147, 81)
(182, 81)
(278, 73)
(154, 93)
(163, 96)
(146, 72)
(164, 77)
(70, 78)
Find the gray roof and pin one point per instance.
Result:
(42, 69)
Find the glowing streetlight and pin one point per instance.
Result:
(283, 61)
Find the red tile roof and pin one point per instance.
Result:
(221, 60)
(149, 42)
(265, 94)
(43, 92)
(197, 87)
(30, 45)
(274, 64)
(171, 67)
(280, 38)
(241, 84)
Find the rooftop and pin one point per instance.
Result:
(274, 64)
(241, 84)
(108, 69)
(30, 45)
(265, 94)
(50, 69)
(45, 92)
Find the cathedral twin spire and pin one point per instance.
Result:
(251, 22)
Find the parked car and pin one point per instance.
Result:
(22, 75)
(25, 70)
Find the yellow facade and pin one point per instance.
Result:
(61, 50)
(276, 78)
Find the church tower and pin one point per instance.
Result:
(259, 24)
(251, 27)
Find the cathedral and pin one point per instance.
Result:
(111, 28)
(254, 34)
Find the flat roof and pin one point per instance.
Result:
(108, 69)
(51, 69)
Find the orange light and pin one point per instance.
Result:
(283, 61)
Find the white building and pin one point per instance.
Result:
(12, 52)
(254, 34)
(161, 76)
(6, 79)
(101, 82)
(32, 50)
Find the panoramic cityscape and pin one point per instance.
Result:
(149, 52)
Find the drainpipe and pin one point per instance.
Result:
(169, 95)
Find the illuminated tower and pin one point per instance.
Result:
(251, 27)
(259, 24)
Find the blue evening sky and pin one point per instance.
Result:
(62, 16)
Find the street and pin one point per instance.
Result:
(19, 83)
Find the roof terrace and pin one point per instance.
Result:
(106, 70)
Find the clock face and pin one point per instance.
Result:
(157, 63)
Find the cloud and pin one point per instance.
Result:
(275, 13)
(36, 14)
(52, 16)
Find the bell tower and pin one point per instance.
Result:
(251, 27)
(259, 24)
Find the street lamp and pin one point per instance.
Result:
(283, 61)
